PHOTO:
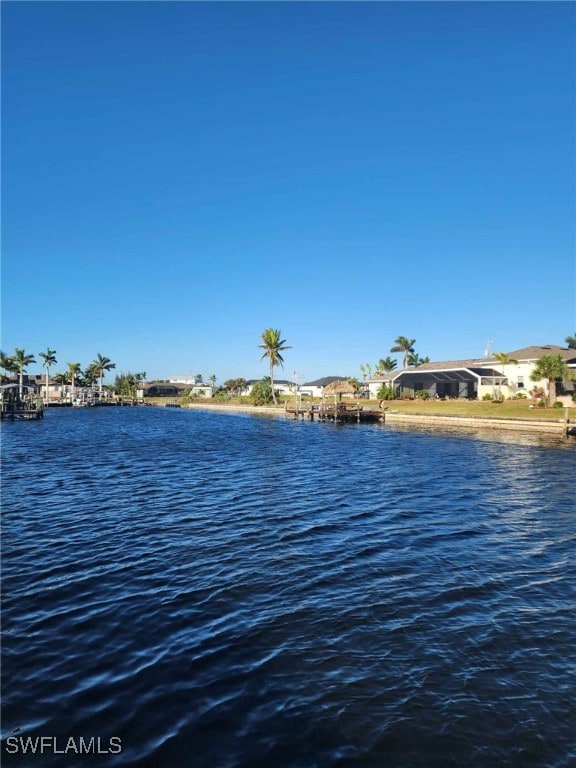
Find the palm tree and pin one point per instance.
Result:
(49, 358)
(73, 371)
(504, 359)
(7, 364)
(551, 368)
(571, 341)
(22, 360)
(273, 346)
(102, 364)
(366, 370)
(387, 365)
(212, 380)
(403, 344)
(62, 378)
(91, 374)
(415, 359)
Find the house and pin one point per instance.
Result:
(281, 387)
(308, 389)
(477, 377)
(316, 388)
(174, 388)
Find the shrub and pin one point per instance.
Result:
(422, 394)
(386, 392)
(262, 393)
(487, 396)
(558, 404)
(521, 396)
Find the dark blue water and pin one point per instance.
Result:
(214, 590)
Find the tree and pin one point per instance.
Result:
(552, 368)
(49, 358)
(212, 380)
(8, 365)
(387, 365)
(262, 393)
(356, 384)
(73, 372)
(91, 374)
(273, 346)
(235, 386)
(102, 364)
(21, 361)
(366, 370)
(415, 359)
(127, 383)
(504, 359)
(405, 345)
(571, 341)
(62, 378)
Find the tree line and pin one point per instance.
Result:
(548, 367)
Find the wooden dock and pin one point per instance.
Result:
(18, 403)
(339, 413)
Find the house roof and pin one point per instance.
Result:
(324, 381)
(484, 365)
(535, 352)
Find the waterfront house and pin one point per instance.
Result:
(477, 377)
(174, 388)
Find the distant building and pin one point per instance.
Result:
(172, 388)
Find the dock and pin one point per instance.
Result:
(340, 413)
(18, 406)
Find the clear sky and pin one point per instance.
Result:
(179, 176)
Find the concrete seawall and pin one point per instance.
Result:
(524, 425)
(551, 427)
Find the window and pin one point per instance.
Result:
(520, 382)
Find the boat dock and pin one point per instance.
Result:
(338, 413)
(18, 404)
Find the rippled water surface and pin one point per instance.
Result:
(227, 590)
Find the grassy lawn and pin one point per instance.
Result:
(509, 409)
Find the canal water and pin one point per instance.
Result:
(213, 591)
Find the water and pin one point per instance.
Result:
(215, 590)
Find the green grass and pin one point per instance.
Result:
(509, 409)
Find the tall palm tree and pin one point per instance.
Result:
(571, 341)
(387, 365)
(102, 364)
(22, 360)
(273, 346)
(49, 358)
(551, 368)
(504, 359)
(73, 371)
(212, 380)
(403, 344)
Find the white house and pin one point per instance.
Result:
(477, 377)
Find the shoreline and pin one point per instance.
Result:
(556, 427)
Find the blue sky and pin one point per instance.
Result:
(177, 177)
